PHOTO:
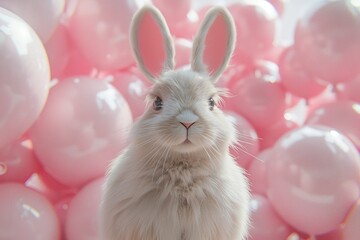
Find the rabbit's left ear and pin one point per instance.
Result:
(214, 43)
(151, 42)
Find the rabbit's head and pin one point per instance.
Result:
(183, 113)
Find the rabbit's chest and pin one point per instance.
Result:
(185, 185)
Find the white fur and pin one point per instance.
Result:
(165, 188)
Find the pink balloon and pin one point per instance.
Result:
(19, 160)
(106, 23)
(273, 54)
(299, 236)
(313, 177)
(24, 77)
(173, 10)
(84, 126)
(49, 190)
(133, 89)
(344, 116)
(327, 40)
(58, 51)
(259, 97)
(351, 228)
(182, 20)
(232, 75)
(183, 52)
(326, 97)
(250, 15)
(248, 146)
(42, 16)
(61, 208)
(257, 173)
(186, 28)
(295, 79)
(279, 5)
(76, 65)
(25, 214)
(266, 224)
(336, 234)
(349, 90)
(269, 136)
(82, 220)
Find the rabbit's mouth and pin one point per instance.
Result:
(187, 141)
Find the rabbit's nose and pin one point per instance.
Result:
(187, 125)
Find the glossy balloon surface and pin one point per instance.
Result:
(327, 40)
(341, 115)
(106, 23)
(26, 214)
(311, 170)
(351, 229)
(42, 16)
(84, 125)
(294, 77)
(24, 77)
(19, 160)
(266, 223)
(82, 218)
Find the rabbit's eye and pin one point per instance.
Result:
(157, 105)
(211, 103)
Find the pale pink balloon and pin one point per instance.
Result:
(42, 16)
(61, 208)
(100, 30)
(279, 5)
(257, 173)
(326, 97)
(327, 40)
(336, 234)
(266, 224)
(247, 146)
(173, 10)
(232, 75)
(269, 136)
(313, 177)
(187, 28)
(351, 229)
(342, 115)
(24, 77)
(19, 160)
(273, 54)
(299, 236)
(58, 51)
(53, 193)
(183, 22)
(133, 89)
(25, 214)
(82, 219)
(84, 126)
(349, 90)
(294, 77)
(77, 64)
(258, 97)
(183, 49)
(250, 15)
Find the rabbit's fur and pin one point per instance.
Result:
(173, 182)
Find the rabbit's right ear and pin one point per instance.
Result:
(151, 42)
(214, 43)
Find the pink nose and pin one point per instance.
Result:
(187, 125)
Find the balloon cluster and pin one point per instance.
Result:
(70, 91)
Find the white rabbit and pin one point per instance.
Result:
(177, 180)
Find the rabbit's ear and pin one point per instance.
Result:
(214, 43)
(151, 42)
